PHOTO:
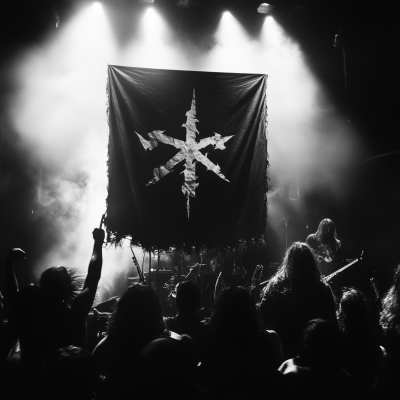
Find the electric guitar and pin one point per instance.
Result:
(326, 279)
(139, 271)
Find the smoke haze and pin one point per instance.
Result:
(56, 109)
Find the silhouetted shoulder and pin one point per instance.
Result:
(312, 240)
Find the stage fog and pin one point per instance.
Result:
(55, 129)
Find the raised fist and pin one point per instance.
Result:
(98, 235)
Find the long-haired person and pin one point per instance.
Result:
(361, 353)
(69, 373)
(317, 372)
(390, 316)
(326, 246)
(387, 381)
(136, 321)
(295, 295)
(241, 358)
(48, 316)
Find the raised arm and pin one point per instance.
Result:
(96, 261)
(84, 300)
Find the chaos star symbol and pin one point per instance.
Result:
(189, 151)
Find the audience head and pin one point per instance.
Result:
(235, 310)
(299, 266)
(396, 279)
(59, 285)
(187, 296)
(354, 311)
(326, 231)
(69, 373)
(137, 315)
(167, 360)
(320, 342)
(394, 291)
(390, 314)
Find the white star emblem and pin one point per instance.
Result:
(189, 151)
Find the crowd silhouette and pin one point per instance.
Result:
(298, 341)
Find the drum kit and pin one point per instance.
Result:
(195, 272)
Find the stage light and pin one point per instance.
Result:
(153, 23)
(146, 1)
(226, 14)
(265, 8)
(229, 30)
(154, 45)
(234, 50)
(97, 6)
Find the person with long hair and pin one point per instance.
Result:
(135, 322)
(361, 352)
(316, 372)
(67, 303)
(241, 357)
(52, 314)
(295, 295)
(326, 246)
(387, 381)
(69, 373)
(390, 316)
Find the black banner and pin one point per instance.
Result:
(187, 157)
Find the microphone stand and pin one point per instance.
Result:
(158, 274)
(139, 271)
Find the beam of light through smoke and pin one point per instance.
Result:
(154, 46)
(60, 113)
(309, 142)
(234, 50)
(307, 131)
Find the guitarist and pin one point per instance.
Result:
(326, 247)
